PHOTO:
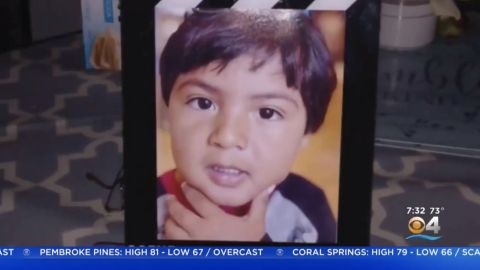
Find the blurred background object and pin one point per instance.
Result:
(429, 95)
(101, 34)
(23, 22)
(410, 24)
(406, 24)
(50, 18)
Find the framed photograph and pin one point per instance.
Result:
(248, 121)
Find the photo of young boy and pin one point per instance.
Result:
(242, 93)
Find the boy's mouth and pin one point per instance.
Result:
(226, 176)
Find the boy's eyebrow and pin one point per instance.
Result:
(276, 96)
(196, 82)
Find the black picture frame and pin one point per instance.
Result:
(358, 115)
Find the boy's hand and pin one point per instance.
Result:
(212, 223)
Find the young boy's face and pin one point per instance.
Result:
(235, 132)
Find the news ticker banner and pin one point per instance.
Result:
(237, 252)
(231, 258)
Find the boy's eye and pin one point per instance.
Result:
(269, 114)
(201, 104)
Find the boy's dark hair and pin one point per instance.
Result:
(206, 36)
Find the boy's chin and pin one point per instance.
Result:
(231, 202)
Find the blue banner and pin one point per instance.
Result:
(241, 257)
(108, 10)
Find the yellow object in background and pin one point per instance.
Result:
(445, 8)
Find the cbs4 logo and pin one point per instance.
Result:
(417, 225)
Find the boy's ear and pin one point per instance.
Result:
(305, 141)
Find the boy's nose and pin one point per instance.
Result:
(230, 132)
